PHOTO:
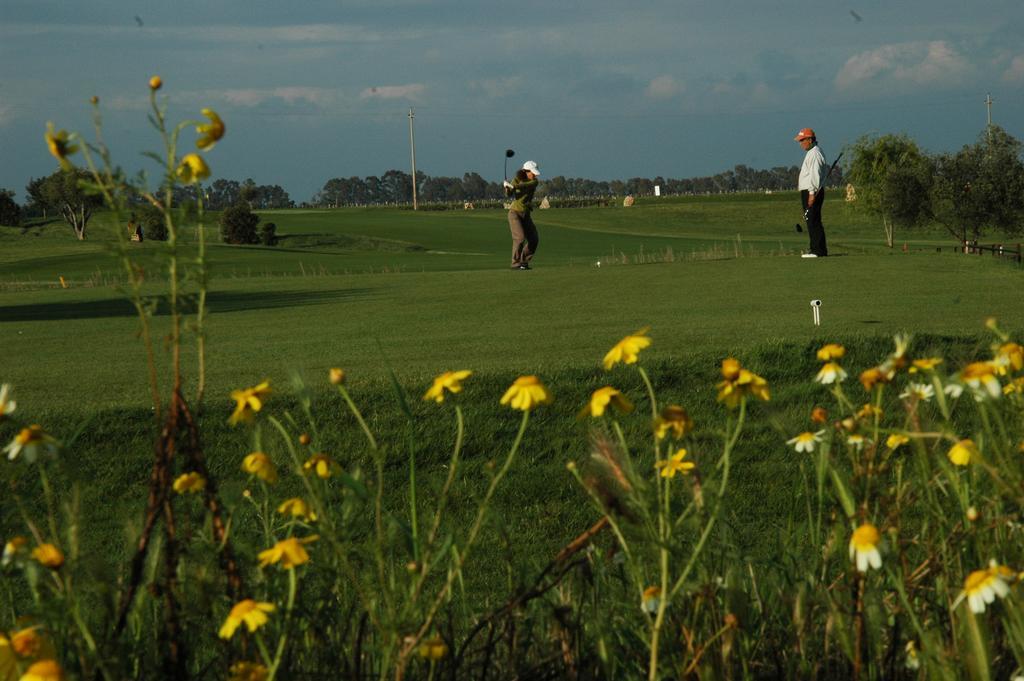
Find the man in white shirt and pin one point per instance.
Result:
(812, 191)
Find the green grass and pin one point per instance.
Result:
(75, 351)
(375, 290)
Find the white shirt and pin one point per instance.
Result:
(812, 172)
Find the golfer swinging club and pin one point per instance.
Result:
(524, 232)
(812, 191)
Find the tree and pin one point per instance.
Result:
(154, 226)
(893, 178)
(980, 187)
(10, 211)
(238, 225)
(36, 204)
(63, 192)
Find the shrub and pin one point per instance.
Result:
(268, 234)
(10, 212)
(238, 225)
(153, 224)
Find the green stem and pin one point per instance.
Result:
(279, 654)
(359, 417)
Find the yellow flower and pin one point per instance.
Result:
(450, 381)
(43, 670)
(963, 452)
(830, 373)
(982, 375)
(675, 464)
(831, 351)
(526, 393)
(320, 464)
(155, 83)
(628, 349)
(248, 671)
(875, 376)
(602, 398)
(297, 508)
(7, 405)
(1010, 355)
(26, 642)
(650, 601)
(869, 411)
(11, 549)
(189, 482)
(864, 547)
(248, 402)
(739, 383)
(674, 418)
(927, 364)
(288, 552)
(192, 169)
(211, 132)
(336, 375)
(59, 143)
(983, 586)
(31, 442)
(1014, 386)
(433, 649)
(896, 440)
(260, 465)
(805, 442)
(252, 613)
(48, 555)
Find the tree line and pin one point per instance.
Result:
(971, 192)
(395, 186)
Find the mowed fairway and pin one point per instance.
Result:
(368, 289)
(375, 290)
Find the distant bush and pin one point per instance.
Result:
(268, 234)
(10, 212)
(238, 225)
(153, 224)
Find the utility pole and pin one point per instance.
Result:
(988, 105)
(412, 146)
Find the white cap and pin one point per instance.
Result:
(532, 167)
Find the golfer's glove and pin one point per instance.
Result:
(506, 184)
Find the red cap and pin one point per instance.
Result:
(804, 134)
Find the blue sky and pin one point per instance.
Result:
(311, 89)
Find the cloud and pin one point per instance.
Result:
(903, 65)
(6, 114)
(411, 91)
(1015, 71)
(304, 34)
(495, 88)
(663, 87)
(290, 95)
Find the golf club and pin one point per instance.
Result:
(508, 154)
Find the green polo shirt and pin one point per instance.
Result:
(523, 191)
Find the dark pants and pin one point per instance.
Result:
(815, 230)
(524, 237)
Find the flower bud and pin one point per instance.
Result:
(304, 439)
(972, 514)
(155, 83)
(337, 376)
